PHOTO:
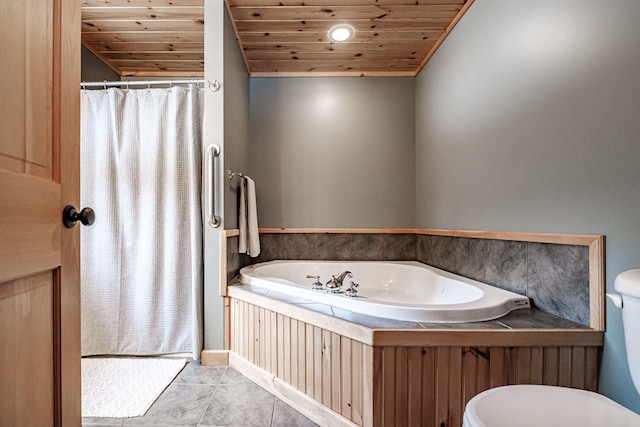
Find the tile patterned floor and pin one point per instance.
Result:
(207, 396)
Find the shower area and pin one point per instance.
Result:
(152, 263)
(142, 269)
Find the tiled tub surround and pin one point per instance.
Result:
(554, 276)
(557, 277)
(340, 368)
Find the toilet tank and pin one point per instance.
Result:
(628, 285)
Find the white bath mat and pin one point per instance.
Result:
(124, 387)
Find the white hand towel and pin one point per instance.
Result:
(249, 241)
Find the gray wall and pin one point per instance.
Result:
(528, 119)
(333, 152)
(93, 69)
(236, 121)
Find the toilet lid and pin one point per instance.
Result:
(538, 405)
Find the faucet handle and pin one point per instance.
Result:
(352, 292)
(333, 285)
(317, 285)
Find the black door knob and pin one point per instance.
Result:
(70, 216)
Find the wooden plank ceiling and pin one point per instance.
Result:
(146, 37)
(277, 37)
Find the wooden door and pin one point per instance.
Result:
(39, 170)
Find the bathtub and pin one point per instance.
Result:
(403, 290)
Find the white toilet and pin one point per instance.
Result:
(550, 406)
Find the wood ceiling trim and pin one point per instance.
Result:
(331, 73)
(278, 3)
(272, 71)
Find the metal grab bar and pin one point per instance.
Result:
(213, 220)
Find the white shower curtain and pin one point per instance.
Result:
(141, 262)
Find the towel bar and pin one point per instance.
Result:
(232, 174)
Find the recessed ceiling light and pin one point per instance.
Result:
(341, 32)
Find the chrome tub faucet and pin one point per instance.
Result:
(335, 284)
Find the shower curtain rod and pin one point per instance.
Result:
(147, 83)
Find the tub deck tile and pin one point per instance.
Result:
(317, 307)
(489, 324)
(374, 322)
(533, 318)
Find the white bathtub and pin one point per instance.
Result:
(405, 290)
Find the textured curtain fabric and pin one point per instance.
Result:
(141, 262)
